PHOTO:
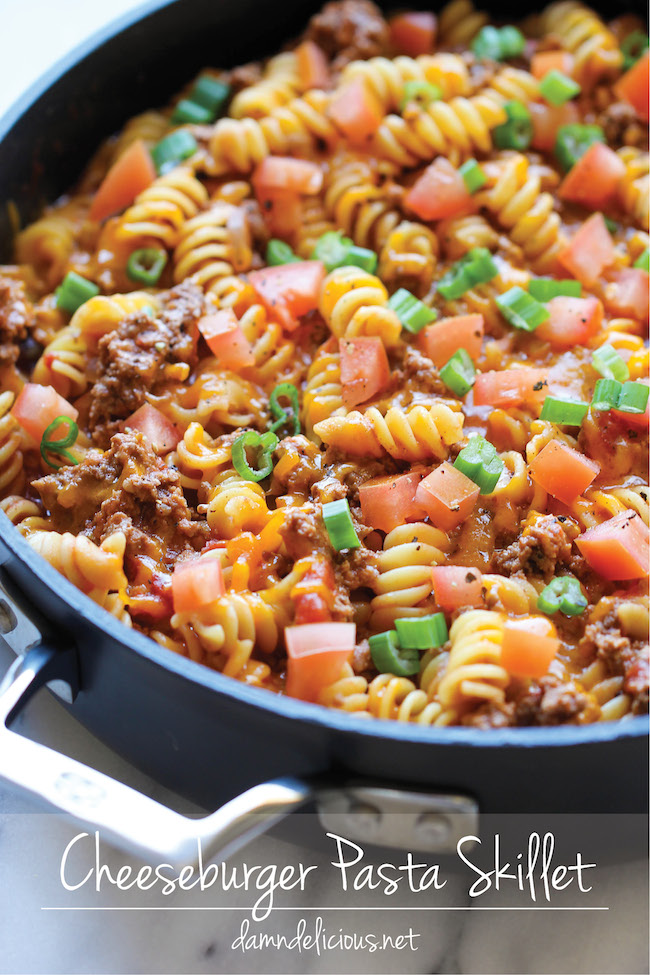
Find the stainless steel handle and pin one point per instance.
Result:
(131, 820)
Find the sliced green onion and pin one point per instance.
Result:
(498, 43)
(521, 309)
(609, 364)
(611, 225)
(557, 88)
(288, 391)
(572, 141)
(563, 595)
(211, 93)
(277, 252)
(265, 443)
(189, 112)
(389, 658)
(146, 265)
(517, 132)
(476, 267)
(423, 632)
(59, 446)
(332, 249)
(480, 462)
(643, 261)
(543, 289)
(339, 525)
(633, 398)
(606, 395)
(459, 373)
(422, 92)
(412, 313)
(362, 257)
(633, 47)
(173, 149)
(74, 292)
(567, 412)
(473, 175)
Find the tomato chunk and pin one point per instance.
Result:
(595, 178)
(547, 119)
(196, 583)
(316, 654)
(573, 321)
(356, 112)
(457, 587)
(38, 406)
(529, 646)
(364, 368)
(510, 387)
(129, 175)
(154, 425)
(290, 290)
(562, 471)
(440, 340)
(224, 336)
(447, 495)
(590, 251)
(618, 548)
(628, 293)
(633, 87)
(414, 33)
(545, 61)
(284, 173)
(439, 192)
(387, 502)
(313, 68)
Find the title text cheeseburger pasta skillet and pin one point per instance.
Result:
(333, 374)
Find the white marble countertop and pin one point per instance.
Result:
(34, 34)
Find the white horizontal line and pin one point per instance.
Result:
(327, 908)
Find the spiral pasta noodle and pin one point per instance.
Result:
(280, 83)
(583, 33)
(405, 582)
(159, 212)
(474, 671)
(88, 566)
(354, 302)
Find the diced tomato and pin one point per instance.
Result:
(635, 421)
(510, 387)
(387, 502)
(154, 425)
(312, 608)
(595, 178)
(447, 495)
(439, 192)
(545, 61)
(573, 321)
(364, 368)
(633, 87)
(457, 587)
(282, 212)
(222, 331)
(547, 119)
(316, 654)
(618, 548)
(440, 340)
(529, 646)
(313, 596)
(356, 112)
(414, 33)
(196, 583)
(562, 471)
(313, 67)
(289, 175)
(590, 251)
(38, 406)
(290, 290)
(129, 175)
(628, 293)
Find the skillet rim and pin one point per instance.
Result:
(279, 705)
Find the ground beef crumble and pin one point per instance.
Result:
(16, 314)
(542, 546)
(129, 489)
(349, 30)
(623, 655)
(132, 359)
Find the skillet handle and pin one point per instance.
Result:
(133, 821)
